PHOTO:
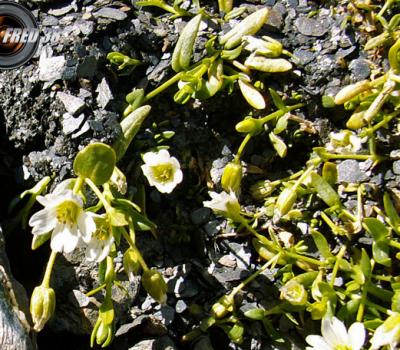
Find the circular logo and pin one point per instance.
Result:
(19, 35)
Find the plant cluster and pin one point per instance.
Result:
(355, 284)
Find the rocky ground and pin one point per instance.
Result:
(69, 96)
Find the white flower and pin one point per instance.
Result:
(388, 333)
(64, 216)
(336, 337)
(224, 204)
(162, 170)
(268, 47)
(99, 245)
(344, 142)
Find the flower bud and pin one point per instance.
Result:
(222, 306)
(284, 203)
(232, 177)
(356, 121)
(350, 91)
(131, 263)
(268, 65)
(249, 126)
(154, 283)
(103, 332)
(294, 292)
(262, 189)
(43, 303)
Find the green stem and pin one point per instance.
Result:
(133, 247)
(335, 270)
(99, 195)
(280, 113)
(305, 258)
(163, 86)
(96, 290)
(78, 184)
(254, 275)
(242, 147)
(394, 244)
(361, 307)
(49, 268)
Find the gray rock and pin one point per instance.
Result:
(104, 94)
(163, 343)
(71, 124)
(84, 129)
(61, 11)
(49, 21)
(349, 171)
(180, 306)
(111, 13)
(200, 216)
(51, 68)
(360, 69)
(14, 315)
(85, 27)
(311, 26)
(72, 104)
(166, 314)
(305, 56)
(212, 228)
(396, 167)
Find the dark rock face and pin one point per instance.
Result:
(15, 328)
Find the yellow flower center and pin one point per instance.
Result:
(163, 173)
(102, 231)
(67, 212)
(343, 347)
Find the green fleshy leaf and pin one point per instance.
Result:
(95, 162)
(279, 144)
(391, 212)
(255, 314)
(277, 100)
(322, 244)
(38, 240)
(325, 190)
(182, 54)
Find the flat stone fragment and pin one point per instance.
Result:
(310, 27)
(109, 12)
(349, 171)
(71, 124)
(51, 68)
(104, 94)
(72, 104)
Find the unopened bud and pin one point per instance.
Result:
(294, 292)
(268, 65)
(284, 203)
(222, 306)
(249, 126)
(232, 177)
(350, 91)
(131, 263)
(154, 283)
(356, 121)
(43, 303)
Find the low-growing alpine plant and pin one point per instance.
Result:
(326, 278)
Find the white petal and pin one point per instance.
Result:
(150, 158)
(64, 239)
(43, 221)
(93, 250)
(317, 342)
(86, 224)
(178, 176)
(42, 200)
(357, 335)
(379, 338)
(163, 156)
(333, 331)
